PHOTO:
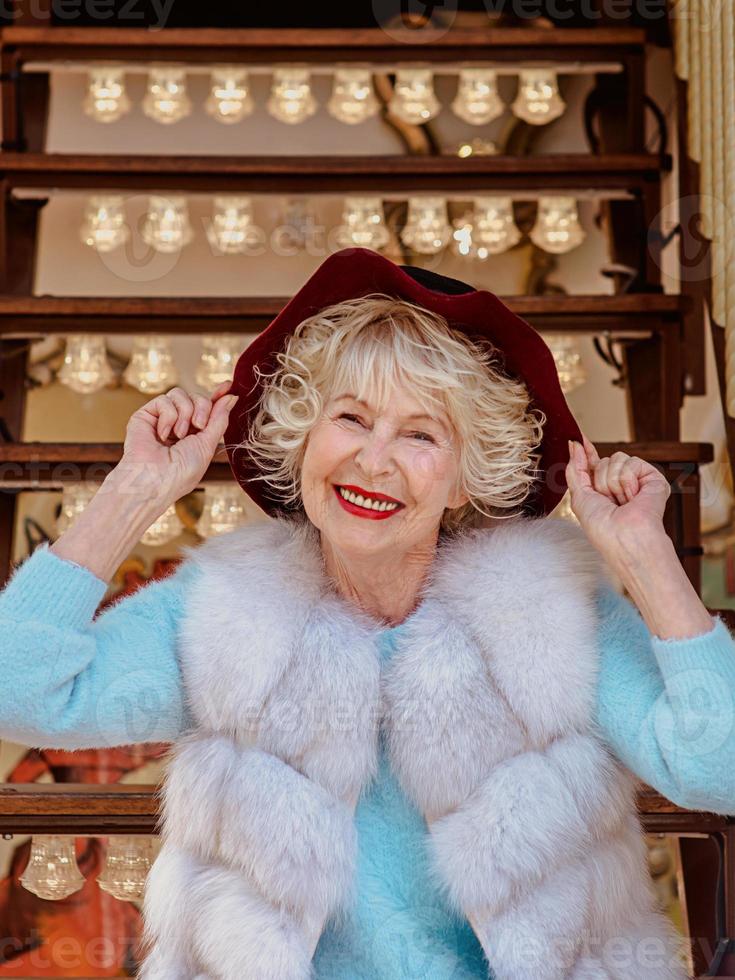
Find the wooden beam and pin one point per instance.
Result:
(631, 314)
(446, 173)
(131, 808)
(318, 45)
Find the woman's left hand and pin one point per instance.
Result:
(618, 500)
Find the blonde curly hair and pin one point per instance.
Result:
(371, 343)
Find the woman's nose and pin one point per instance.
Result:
(375, 455)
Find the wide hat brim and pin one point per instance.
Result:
(354, 272)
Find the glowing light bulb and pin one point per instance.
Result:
(167, 527)
(353, 99)
(166, 99)
(477, 100)
(557, 228)
(151, 368)
(538, 100)
(232, 230)
(166, 226)
(568, 359)
(217, 361)
(291, 99)
(427, 228)
(229, 98)
(85, 368)
(414, 99)
(363, 224)
(223, 509)
(104, 227)
(106, 100)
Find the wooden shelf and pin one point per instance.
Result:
(131, 808)
(50, 465)
(27, 316)
(445, 173)
(318, 45)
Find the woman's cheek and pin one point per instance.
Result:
(426, 470)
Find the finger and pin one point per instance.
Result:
(600, 479)
(577, 471)
(218, 419)
(629, 478)
(221, 389)
(167, 416)
(185, 408)
(592, 454)
(202, 408)
(614, 472)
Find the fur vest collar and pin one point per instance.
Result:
(487, 708)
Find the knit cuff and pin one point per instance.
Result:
(714, 650)
(52, 590)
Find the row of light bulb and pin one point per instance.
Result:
(352, 100)
(151, 368)
(52, 871)
(223, 510)
(487, 229)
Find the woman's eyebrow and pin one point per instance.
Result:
(415, 415)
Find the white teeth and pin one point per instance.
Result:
(366, 502)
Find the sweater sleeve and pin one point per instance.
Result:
(70, 681)
(667, 707)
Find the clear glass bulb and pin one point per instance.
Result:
(104, 227)
(363, 224)
(353, 99)
(427, 228)
(74, 498)
(220, 353)
(106, 100)
(494, 228)
(166, 226)
(477, 100)
(127, 863)
(52, 871)
(414, 99)
(223, 509)
(166, 99)
(151, 368)
(557, 228)
(291, 99)
(568, 359)
(167, 527)
(538, 100)
(232, 230)
(229, 98)
(85, 368)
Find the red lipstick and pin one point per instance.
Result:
(371, 515)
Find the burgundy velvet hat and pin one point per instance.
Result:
(478, 313)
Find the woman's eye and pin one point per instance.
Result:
(344, 415)
(424, 436)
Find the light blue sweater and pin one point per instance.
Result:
(666, 709)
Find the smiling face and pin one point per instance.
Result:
(397, 453)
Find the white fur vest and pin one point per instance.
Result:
(487, 706)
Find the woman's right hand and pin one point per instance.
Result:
(171, 440)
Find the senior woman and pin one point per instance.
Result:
(409, 710)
